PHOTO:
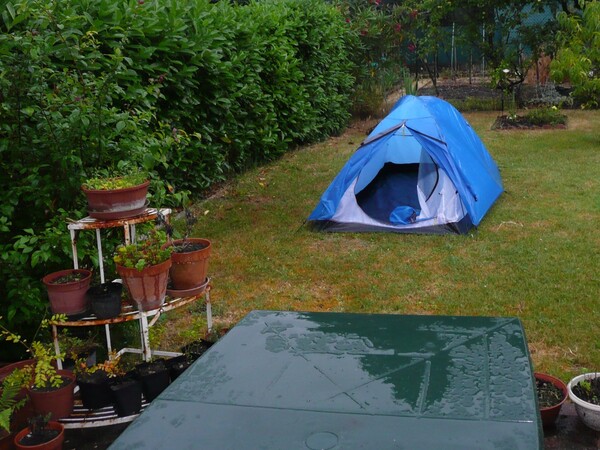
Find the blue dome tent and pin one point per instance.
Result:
(423, 169)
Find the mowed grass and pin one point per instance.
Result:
(535, 256)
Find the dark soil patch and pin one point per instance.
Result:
(588, 390)
(188, 247)
(70, 278)
(522, 123)
(548, 394)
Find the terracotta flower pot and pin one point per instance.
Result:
(56, 401)
(56, 443)
(550, 413)
(147, 287)
(189, 268)
(68, 298)
(111, 204)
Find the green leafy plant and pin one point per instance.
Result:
(118, 182)
(39, 430)
(546, 116)
(42, 374)
(9, 398)
(578, 57)
(147, 252)
(111, 367)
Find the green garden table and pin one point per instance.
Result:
(293, 380)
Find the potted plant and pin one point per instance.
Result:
(66, 291)
(584, 392)
(41, 434)
(552, 393)
(51, 390)
(144, 268)
(154, 378)
(94, 382)
(190, 260)
(126, 393)
(105, 300)
(116, 197)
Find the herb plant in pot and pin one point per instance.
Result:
(41, 434)
(552, 393)
(94, 382)
(584, 392)
(66, 291)
(144, 268)
(50, 390)
(190, 256)
(118, 197)
(190, 263)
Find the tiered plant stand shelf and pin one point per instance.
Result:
(84, 418)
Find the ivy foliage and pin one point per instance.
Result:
(189, 92)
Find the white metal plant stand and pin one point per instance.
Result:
(81, 417)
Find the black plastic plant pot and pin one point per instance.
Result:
(127, 396)
(177, 365)
(196, 349)
(94, 389)
(154, 377)
(105, 300)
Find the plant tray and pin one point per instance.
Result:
(176, 293)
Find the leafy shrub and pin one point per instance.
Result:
(578, 57)
(546, 116)
(188, 92)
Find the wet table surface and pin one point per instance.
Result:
(290, 380)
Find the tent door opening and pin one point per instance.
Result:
(395, 185)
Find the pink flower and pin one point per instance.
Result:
(414, 13)
(364, 32)
(347, 19)
(398, 27)
(411, 47)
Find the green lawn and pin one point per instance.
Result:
(536, 255)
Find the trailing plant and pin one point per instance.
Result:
(147, 252)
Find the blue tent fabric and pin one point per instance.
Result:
(443, 134)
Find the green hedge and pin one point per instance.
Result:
(189, 91)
